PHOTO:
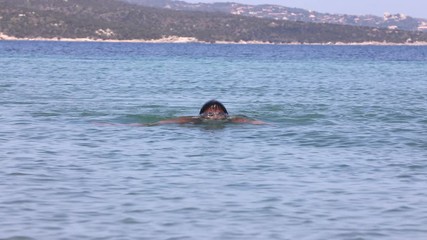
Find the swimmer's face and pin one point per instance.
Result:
(214, 113)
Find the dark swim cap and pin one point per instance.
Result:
(211, 103)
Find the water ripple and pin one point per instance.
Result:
(342, 156)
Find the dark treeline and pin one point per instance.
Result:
(113, 19)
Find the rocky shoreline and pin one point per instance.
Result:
(177, 39)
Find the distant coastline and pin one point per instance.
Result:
(177, 39)
(118, 21)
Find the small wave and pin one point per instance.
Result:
(305, 119)
(19, 174)
(129, 220)
(399, 209)
(21, 103)
(93, 114)
(46, 114)
(18, 238)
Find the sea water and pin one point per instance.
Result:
(343, 154)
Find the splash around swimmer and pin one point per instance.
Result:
(212, 111)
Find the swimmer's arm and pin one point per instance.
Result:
(247, 120)
(180, 120)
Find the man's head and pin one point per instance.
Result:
(213, 110)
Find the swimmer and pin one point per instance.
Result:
(211, 112)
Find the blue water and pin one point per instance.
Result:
(343, 156)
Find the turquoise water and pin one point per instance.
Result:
(344, 155)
